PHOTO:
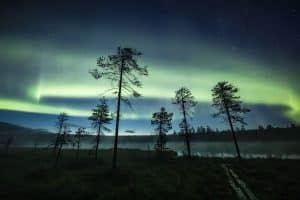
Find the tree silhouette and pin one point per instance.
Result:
(261, 127)
(100, 116)
(243, 129)
(229, 107)
(208, 130)
(122, 70)
(269, 127)
(293, 125)
(62, 140)
(162, 122)
(8, 143)
(80, 132)
(200, 130)
(186, 101)
(61, 120)
(35, 144)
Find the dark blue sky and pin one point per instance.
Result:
(48, 47)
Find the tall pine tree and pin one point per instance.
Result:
(162, 122)
(228, 106)
(122, 70)
(100, 117)
(186, 101)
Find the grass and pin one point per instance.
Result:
(25, 174)
(272, 178)
(141, 175)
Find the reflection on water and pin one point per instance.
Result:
(246, 156)
(225, 149)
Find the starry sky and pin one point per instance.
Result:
(48, 47)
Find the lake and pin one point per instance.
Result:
(222, 149)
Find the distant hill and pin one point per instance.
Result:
(22, 135)
(27, 136)
(7, 128)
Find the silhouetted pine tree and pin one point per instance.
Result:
(229, 107)
(208, 130)
(100, 117)
(35, 144)
(243, 129)
(77, 139)
(192, 131)
(123, 70)
(162, 122)
(8, 143)
(62, 140)
(186, 101)
(61, 119)
(261, 128)
(200, 130)
(269, 127)
(293, 126)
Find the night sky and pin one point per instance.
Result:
(48, 47)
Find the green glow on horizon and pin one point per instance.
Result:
(256, 91)
(66, 75)
(16, 105)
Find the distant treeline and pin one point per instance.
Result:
(270, 133)
(261, 133)
(26, 136)
(253, 134)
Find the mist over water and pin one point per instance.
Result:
(222, 149)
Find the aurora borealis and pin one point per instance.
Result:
(47, 49)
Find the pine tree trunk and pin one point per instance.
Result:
(114, 163)
(97, 141)
(233, 133)
(160, 136)
(58, 155)
(186, 131)
(57, 138)
(78, 146)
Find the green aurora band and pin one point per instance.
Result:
(64, 74)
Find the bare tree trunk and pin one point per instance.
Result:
(114, 163)
(57, 138)
(187, 138)
(233, 133)
(8, 143)
(97, 141)
(160, 137)
(58, 155)
(78, 146)
(62, 142)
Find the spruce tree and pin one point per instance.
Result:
(100, 117)
(162, 124)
